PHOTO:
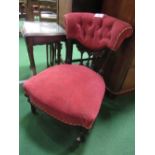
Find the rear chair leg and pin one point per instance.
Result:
(33, 109)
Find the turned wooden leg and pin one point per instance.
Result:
(52, 53)
(69, 52)
(82, 135)
(59, 47)
(33, 109)
(29, 43)
(81, 138)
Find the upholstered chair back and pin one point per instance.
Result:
(97, 31)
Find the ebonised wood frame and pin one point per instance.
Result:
(98, 57)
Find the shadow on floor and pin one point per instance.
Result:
(50, 134)
(111, 107)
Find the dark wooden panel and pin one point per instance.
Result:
(117, 69)
(130, 80)
(119, 65)
(87, 5)
(65, 6)
(122, 9)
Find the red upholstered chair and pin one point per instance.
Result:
(73, 93)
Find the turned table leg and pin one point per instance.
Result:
(31, 56)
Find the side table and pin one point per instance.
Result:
(37, 33)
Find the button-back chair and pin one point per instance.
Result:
(73, 93)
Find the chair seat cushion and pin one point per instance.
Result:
(70, 93)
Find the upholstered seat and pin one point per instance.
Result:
(97, 31)
(71, 93)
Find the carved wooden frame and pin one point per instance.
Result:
(101, 54)
(96, 56)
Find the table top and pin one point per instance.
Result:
(37, 28)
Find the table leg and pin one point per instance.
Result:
(31, 56)
(47, 54)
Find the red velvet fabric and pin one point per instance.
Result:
(71, 93)
(95, 32)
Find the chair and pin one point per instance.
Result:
(48, 10)
(32, 9)
(22, 8)
(73, 93)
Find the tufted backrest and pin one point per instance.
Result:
(97, 31)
